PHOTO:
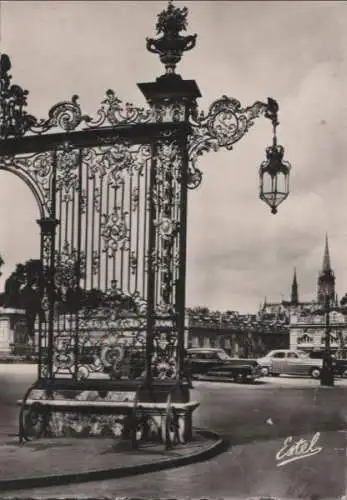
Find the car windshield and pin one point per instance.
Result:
(223, 355)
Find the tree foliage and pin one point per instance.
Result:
(172, 20)
(30, 271)
(343, 301)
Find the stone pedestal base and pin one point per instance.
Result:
(114, 414)
(12, 322)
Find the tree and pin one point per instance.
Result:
(1, 264)
(201, 310)
(29, 271)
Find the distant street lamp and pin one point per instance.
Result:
(327, 376)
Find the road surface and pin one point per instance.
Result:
(256, 419)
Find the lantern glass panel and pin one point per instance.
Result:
(282, 183)
(267, 183)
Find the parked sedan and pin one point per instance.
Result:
(339, 364)
(288, 362)
(215, 363)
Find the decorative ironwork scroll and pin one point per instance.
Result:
(225, 124)
(67, 116)
(100, 252)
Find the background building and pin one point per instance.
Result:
(307, 330)
(306, 320)
(287, 324)
(241, 335)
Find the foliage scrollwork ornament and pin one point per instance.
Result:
(68, 262)
(225, 123)
(114, 231)
(66, 115)
(14, 120)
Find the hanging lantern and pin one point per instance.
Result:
(274, 176)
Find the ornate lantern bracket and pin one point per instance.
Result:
(225, 124)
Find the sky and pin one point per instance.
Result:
(295, 52)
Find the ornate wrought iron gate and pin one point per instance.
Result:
(112, 194)
(113, 205)
(115, 272)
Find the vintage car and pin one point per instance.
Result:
(215, 363)
(339, 364)
(290, 362)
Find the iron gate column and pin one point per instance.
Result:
(172, 99)
(151, 277)
(47, 292)
(181, 283)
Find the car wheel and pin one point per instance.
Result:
(265, 371)
(246, 379)
(315, 372)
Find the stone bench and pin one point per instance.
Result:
(104, 409)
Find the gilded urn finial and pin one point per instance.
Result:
(171, 45)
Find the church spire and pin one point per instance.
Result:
(295, 295)
(326, 278)
(326, 259)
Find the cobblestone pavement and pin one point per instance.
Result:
(257, 419)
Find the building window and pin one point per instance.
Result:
(195, 342)
(206, 342)
(305, 339)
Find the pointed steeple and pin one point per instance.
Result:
(295, 295)
(295, 282)
(326, 278)
(326, 258)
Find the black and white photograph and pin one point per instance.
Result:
(173, 249)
